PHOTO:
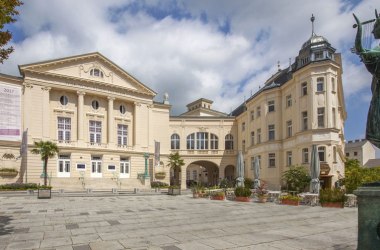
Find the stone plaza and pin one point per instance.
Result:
(158, 221)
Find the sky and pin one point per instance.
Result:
(216, 49)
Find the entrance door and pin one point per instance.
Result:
(124, 168)
(325, 182)
(96, 167)
(63, 166)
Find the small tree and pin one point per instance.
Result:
(46, 149)
(355, 175)
(296, 178)
(176, 162)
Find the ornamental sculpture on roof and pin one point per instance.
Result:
(371, 59)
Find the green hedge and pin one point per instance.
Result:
(19, 186)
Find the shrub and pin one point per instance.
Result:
(19, 186)
(158, 184)
(296, 178)
(290, 197)
(243, 192)
(248, 182)
(332, 195)
(220, 193)
(225, 183)
(262, 189)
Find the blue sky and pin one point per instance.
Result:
(224, 50)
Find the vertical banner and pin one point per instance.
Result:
(156, 153)
(10, 112)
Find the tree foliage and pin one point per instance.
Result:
(46, 149)
(176, 162)
(296, 178)
(355, 175)
(8, 13)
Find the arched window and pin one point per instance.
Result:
(213, 141)
(229, 142)
(202, 140)
(190, 141)
(174, 141)
(96, 72)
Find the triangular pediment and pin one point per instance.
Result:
(93, 67)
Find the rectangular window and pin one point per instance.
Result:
(304, 89)
(318, 55)
(304, 120)
(111, 168)
(322, 153)
(289, 128)
(252, 138)
(81, 166)
(195, 175)
(95, 132)
(202, 140)
(334, 117)
(258, 111)
(320, 84)
(64, 129)
(63, 166)
(243, 126)
(270, 106)
(243, 145)
(305, 155)
(271, 134)
(124, 167)
(122, 134)
(321, 117)
(258, 135)
(288, 101)
(333, 85)
(213, 141)
(289, 158)
(252, 115)
(334, 154)
(271, 160)
(190, 141)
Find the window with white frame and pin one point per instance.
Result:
(252, 115)
(258, 111)
(304, 120)
(122, 134)
(321, 117)
(96, 166)
(213, 141)
(64, 166)
(288, 101)
(229, 142)
(289, 128)
(304, 89)
(271, 160)
(271, 106)
(289, 156)
(174, 141)
(190, 141)
(320, 84)
(252, 138)
(64, 129)
(202, 140)
(271, 132)
(258, 135)
(322, 153)
(95, 132)
(305, 155)
(124, 167)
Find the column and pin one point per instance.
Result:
(80, 116)
(45, 112)
(110, 120)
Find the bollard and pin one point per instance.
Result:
(114, 190)
(368, 197)
(89, 190)
(136, 190)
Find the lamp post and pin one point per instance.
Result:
(146, 157)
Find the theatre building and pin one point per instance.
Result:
(108, 126)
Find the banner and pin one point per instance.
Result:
(10, 112)
(156, 153)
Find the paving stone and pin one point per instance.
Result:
(170, 248)
(109, 245)
(28, 236)
(113, 222)
(55, 242)
(19, 245)
(72, 226)
(84, 214)
(85, 238)
(21, 230)
(104, 212)
(82, 247)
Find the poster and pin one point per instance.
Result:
(10, 112)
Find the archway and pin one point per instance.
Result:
(204, 172)
(230, 172)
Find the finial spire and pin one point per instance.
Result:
(312, 19)
(278, 65)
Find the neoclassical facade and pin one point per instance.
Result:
(105, 122)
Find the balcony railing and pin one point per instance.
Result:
(205, 152)
(65, 143)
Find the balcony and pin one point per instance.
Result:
(211, 152)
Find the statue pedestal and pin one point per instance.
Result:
(368, 197)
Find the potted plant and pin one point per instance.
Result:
(8, 172)
(332, 198)
(197, 190)
(219, 195)
(292, 200)
(243, 194)
(46, 149)
(160, 175)
(262, 192)
(174, 190)
(176, 162)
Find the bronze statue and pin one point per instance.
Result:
(371, 59)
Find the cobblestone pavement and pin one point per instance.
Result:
(170, 223)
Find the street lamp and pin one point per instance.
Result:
(146, 157)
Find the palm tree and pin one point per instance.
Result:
(176, 162)
(46, 149)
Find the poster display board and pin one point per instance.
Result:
(10, 112)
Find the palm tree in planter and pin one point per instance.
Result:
(175, 162)
(46, 149)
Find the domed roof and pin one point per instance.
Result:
(314, 39)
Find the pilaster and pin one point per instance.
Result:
(110, 118)
(80, 117)
(46, 112)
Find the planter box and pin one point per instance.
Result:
(243, 199)
(290, 202)
(8, 174)
(160, 176)
(332, 204)
(218, 198)
(44, 193)
(263, 199)
(174, 191)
